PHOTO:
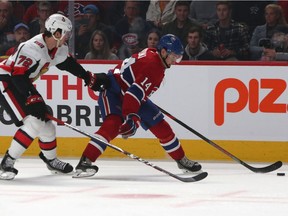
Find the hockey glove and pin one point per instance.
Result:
(98, 81)
(36, 106)
(130, 125)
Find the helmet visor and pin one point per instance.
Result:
(66, 34)
(175, 57)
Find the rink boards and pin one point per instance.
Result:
(241, 106)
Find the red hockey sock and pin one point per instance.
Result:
(110, 127)
(168, 140)
(108, 130)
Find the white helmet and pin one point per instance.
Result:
(58, 21)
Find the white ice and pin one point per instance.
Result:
(128, 187)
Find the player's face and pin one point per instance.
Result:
(62, 37)
(175, 58)
(172, 58)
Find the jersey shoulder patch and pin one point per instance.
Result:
(41, 45)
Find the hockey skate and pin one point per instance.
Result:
(189, 166)
(8, 172)
(57, 166)
(85, 168)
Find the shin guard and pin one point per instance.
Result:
(168, 140)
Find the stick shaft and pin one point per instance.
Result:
(191, 179)
(270, 168)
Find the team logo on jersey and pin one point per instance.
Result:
(39, 44)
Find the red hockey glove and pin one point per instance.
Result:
(98, 81)
(130, 125)
(36, 106)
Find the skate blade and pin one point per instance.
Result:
(190, 172)
(81, 174)
(55, 172)
(7, 176)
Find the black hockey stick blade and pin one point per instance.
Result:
(196, 178)
(266, 169)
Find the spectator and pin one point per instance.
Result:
(250, 13)
(284, 5)
(21, 34)
(78, 14)
(274, 20)
(130, 25)
(181, 24)
(279, 48)
(88, 24)
(18, 9)
(7, 23)
(203, 12)
(130, 46)
(115, 11)
(160, 12)
(153, 38)
(227, 39)
(99, 47)
(31, 13)
(196, 49)
(44, 10)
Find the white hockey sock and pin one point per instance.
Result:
(50, 154)
(16, 150)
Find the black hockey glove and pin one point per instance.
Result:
(36, 106)
(98, 81)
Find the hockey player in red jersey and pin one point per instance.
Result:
(22, 101)
(125, 105)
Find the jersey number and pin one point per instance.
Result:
(26, 62)
(145, 84)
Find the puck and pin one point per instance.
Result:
(280, 174)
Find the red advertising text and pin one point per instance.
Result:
(249, 95)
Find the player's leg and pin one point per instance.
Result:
(48, 146)
(20, 142)
(109, 103)
(172, 146)
(12, 103)
(107, 132)
(153, 120)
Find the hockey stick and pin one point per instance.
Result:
(266, 169)
(187, 179)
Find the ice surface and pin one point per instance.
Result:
(128, 187)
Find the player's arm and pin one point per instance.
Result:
(95, 81)
(23, 67)
(132, 100)
(24, 63)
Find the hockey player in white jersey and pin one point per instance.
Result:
(25, 105)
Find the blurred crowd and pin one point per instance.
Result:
(111, 30)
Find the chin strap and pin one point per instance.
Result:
(164, 60)
(58, 41)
